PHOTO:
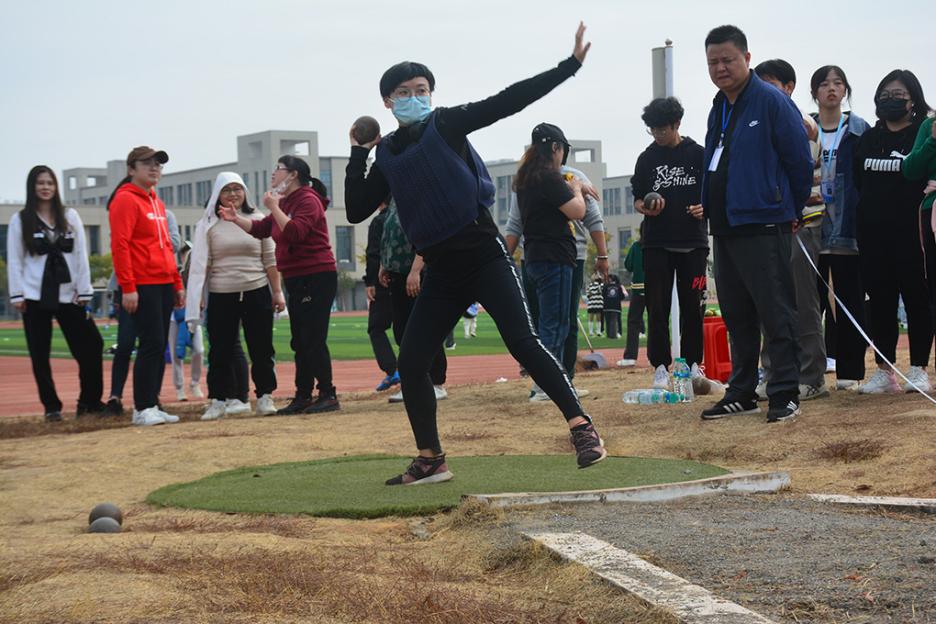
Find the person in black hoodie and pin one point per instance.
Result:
(675, 243)
(892, 259)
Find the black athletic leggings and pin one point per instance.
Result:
(449, 286)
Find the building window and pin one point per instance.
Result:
(3, 235)
(202, 192)
(93, 236)
(89, 201)
(187, 229)
(344, 246)
(629, 200)
(325, 174)
(266, 181)
(184, 191)
(504, 195)
(102, 200)
(167, 195)
(257, 188)
(611, 201)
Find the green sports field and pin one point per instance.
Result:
(347, 340)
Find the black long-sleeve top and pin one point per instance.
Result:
(363, 194)
(372, 252)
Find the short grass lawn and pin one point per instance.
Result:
(354, 487)
(347, 339)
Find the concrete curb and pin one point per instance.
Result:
(897, 503)
(691, 604)
(748, 482)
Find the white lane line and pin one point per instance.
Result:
(891, 502)
(749, 482)
(691, 604)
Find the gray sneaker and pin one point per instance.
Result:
(807, 392)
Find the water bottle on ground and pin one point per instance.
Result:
(682, 380)
(650, 396)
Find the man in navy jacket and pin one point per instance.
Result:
(758, 177)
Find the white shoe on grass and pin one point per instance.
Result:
(169, 418)
(395, 398)
(233, 407)
(265, 406)
(846, 384)
(148, 417)
(196, 391)
(440, 393)
(215, 410)
(626, 363)
(180, 395)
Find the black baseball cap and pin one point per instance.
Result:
(548, 133)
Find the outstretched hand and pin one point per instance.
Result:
(368, 145)
(228, 213)
(581, 49)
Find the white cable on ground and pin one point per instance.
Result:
(857, 325)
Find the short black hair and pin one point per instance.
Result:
(777, 69)
(725, 34)
(662, 112)
(821, 74)
(401, 72)
(920, 108)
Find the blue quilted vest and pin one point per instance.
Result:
(436, 192)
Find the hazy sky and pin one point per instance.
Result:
(82, 82)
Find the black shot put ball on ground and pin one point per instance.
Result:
(366, 129)
(104, 524)
(106, 510)
(651, 197)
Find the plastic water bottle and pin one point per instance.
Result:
(651, 396)
(682, 380)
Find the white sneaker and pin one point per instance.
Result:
(661, 378)
(440, 393)
(148, 417)
(581, 392)
(265, 406)
(626, 363)
(169, 418)
(539, 395)
(180, 395)
(232, 407)
(917, 374)
(846, 384)
(196, 391)
(881, 382)
(395, 398)
(830, 365)
(215, 410)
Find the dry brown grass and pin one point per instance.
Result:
(176, 565)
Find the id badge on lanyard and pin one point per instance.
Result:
(716, 155)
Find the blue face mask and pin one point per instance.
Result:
(411, 110)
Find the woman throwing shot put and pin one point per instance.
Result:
(443, 192)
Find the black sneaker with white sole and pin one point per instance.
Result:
(783, 413)
(730, 407)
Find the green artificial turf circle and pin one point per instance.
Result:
(353, 487)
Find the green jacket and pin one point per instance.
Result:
(634, 263)
(920, 164)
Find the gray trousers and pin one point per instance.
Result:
(755, 290)
(808, 311)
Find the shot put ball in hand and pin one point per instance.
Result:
(650, 199)
(366, 129)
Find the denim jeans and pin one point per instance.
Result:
(553, 283)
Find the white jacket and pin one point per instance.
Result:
(24, 271)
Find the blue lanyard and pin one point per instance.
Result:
(726, 119)
(836, 140)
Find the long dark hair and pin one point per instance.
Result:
(537, 161)
(920, 108)
(117, 188)
(29, 216)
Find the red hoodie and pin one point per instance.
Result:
(302, 248)
(140, 245)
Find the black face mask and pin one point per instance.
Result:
(892, 110)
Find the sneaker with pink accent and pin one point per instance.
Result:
(423, 470)
(881, 382)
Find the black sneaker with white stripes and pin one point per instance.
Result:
(730, 407)
(783, 413)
